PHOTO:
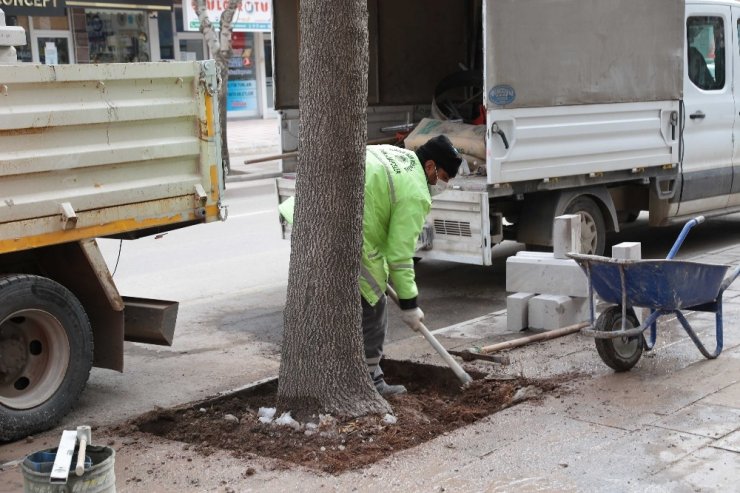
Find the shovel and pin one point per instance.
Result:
(456, 368)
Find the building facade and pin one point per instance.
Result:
(124, 31)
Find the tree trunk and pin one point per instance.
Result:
(222, 59)
(323, 366)
(219, 44)
(222, 65)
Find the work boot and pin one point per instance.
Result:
(385, 390)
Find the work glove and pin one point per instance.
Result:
(413, 318)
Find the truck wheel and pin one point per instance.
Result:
(46, 351)
(593, 227)
(621, 353)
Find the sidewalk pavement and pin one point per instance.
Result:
(251, 139)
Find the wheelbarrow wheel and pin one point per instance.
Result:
(621, 353)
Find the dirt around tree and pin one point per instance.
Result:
(433, 406)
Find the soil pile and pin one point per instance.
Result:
(433, 406)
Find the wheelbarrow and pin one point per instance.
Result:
(666, 287)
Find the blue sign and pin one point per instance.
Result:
(502, 95)
(241, 95)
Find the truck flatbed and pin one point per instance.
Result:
(104, 150)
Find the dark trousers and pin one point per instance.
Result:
(374, 327)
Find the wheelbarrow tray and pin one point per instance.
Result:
(656, 284)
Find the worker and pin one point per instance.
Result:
(399, 185)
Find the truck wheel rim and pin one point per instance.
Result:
(589, 235)
(35, 349)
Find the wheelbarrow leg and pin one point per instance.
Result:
(652, 322)
(690, 331)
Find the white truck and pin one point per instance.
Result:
(604, 108)
(86, 151)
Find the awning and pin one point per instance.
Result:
(121, 4)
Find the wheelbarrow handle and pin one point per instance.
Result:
(682, 235)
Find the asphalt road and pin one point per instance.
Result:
(246, 258)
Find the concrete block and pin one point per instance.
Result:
(550, 312)
(566, 235)
(631, 250)
(525, 253)
(628, 250)
(8, 55)
(517, 311)
(12, 36)
(545, 275)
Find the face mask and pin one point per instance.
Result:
(440, 187)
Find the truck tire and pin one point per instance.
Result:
(593, 226)
(46, 351)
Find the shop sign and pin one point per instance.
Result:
(241, 95)
(50, 8)
(251, 15)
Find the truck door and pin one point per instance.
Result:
(735, 57)
(709, 111)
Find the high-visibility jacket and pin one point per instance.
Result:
(397, 202)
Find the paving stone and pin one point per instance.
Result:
(707, 469)
(728, 396)
(731, 442)
(701, 419)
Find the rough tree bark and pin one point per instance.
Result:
(219, 44)
(323, 367)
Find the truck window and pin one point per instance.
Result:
(706, 52)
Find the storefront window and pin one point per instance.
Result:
(269, 91)
(242, 88)
(191, 50)
(179, 26)
(118, 35)
(61, 43)
(166, 39)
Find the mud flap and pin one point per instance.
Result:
(149, 321)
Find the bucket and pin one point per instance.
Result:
(99, 476)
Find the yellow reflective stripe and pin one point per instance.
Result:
(401, 266)
(365, 274)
